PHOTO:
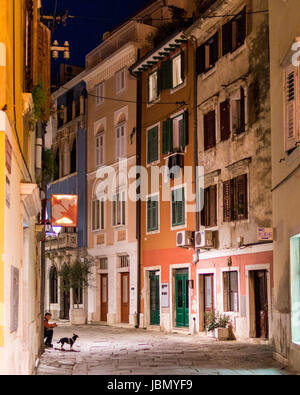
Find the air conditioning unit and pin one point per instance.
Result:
(184, 238)
(204, 239)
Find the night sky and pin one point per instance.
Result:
(94, 18)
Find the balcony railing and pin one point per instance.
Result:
(62, 241)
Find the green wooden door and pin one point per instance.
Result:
(154, 299)
(182, 299)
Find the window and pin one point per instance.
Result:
(235, 206)
(120, 141)
(28, 56)
(120, 81)
(124, 261)
(98, 214)
(152, 145)
(230, 291)
(238, 111)
(103, 263)
(53, 285)
(234, 33)
(153, 87)
(225, 120)
(99, 92)
(209, 129)
(178, 207)
(175, 133)
(177, 71)
(152, 213)
(209, 211)
(74, 157)
(291, 86)
(119, 208)
(207, 54)
(172, 72)
(100, 149)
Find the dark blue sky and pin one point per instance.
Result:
(94, 18)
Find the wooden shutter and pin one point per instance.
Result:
(166, 74)
(214, 50)
(228, 200)
(225, 120)
(152, 141)
(213, 205)
(240, 200)
(167, 136)
(29, 47)
(200, 59)
(209, 130)
(185, 137)
(183, 65)
(178, 207)
(241, 21)
(227, 38)
(242, 110)
(290, 92)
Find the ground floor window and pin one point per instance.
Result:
(295, 288)
(230, 291)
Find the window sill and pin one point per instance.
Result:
(208, 73)
(178, 87)
(100, 231)
(178, 227)
(154, 163)
(153, 102)
(237, 51)
(152, 232)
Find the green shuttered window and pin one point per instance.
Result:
(175, 133)
(178, 207)
(152, 213)
(152, 145)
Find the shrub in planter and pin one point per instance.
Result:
(76, 276)
(216, 324)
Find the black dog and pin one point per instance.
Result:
(68, 340)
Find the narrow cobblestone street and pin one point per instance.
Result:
(105, 350)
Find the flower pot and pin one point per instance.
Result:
(222, 333)
(77, 316)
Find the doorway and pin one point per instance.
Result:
(182, 298)
(104, 297)
(261, 303)
(65, 304)
(125, 298)
(154, 298)
(259, 297)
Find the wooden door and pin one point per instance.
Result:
(182, 299)
(125, 297)
(104, 296)
(261, 303)
(154, 299)
(208, 293)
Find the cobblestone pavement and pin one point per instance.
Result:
(106, 350)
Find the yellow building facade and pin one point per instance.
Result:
(24, 54)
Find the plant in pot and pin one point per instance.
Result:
(217, 325)
(77, 276)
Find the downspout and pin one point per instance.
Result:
(195, 128)
(138, 203)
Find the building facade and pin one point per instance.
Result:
(23, 40)
(166, 205)
(234, 273)
(68, 133)
(284, 64)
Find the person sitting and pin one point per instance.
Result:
(48, 330)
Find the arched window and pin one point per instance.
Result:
(53, 285)
(74, 157)
(56, 173)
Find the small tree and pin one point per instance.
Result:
(76, 276)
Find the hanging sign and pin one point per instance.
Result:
(64, 210)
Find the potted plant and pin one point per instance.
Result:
(76, 276)
(217, 325)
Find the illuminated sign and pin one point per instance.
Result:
(64, 210)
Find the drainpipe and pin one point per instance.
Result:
(138, 203)
(195, 128)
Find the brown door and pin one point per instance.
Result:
(125, 297)
(65, 304)
(104, 296)
(208, 293)
(261, 303)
